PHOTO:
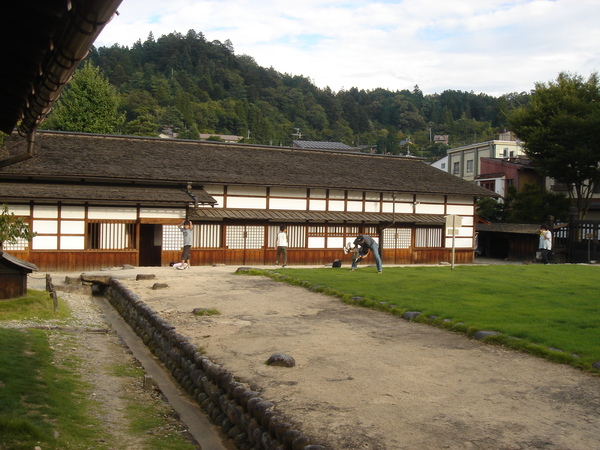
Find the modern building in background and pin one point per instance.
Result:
(465, 161)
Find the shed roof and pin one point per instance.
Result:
(513, 228)
(14, 261)
(93, 158)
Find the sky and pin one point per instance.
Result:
(485, 46)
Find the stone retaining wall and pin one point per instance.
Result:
(249, 420)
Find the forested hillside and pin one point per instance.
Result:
(192, 86)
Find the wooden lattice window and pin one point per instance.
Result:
(19, 244)
(111, 235)
(397, 238)
(245, 236)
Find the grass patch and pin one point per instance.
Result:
(151, 421)
(154, 420)
(40, 403)
(206, 312)
(36, 305)
(547, 307)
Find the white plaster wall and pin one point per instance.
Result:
(316, 242)
(19, 210)
(72, 212)
(461, 242)
(247, 202)
(288, 203)
(354, 206)
(72, 242)
(463, 210)
(372, 207)
(100, 212)
(288, 192)
(317, 205)
(401, 208)
(429, 198)
(399, 197)
(45, 211)
(318, 193)
(44, 243)
(460, 200)
(156, 213)
(45, 226)
(72, 227)
(247, 190)
(336, 205)
(424, 208)
(335, 242)
(214, 189)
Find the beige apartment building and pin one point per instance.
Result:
(465, 162)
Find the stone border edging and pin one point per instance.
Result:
(242, 415)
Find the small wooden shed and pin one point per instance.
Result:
(13, 275)
(511, 241)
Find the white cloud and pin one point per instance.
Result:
(491, 46)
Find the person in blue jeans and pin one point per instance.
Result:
(367, 245)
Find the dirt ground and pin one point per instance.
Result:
(368, 380)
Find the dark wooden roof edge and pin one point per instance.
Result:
(18, 262)
(87, 193)
(220, 214)
(512, 228)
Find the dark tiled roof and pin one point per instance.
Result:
(120, 158)
(95, 193)
(322, 145)
(218, 214)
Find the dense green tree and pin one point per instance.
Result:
(191, 133)
(143, 125)
(534, 205)
(491, 209)
(89, 104)
(560, 128)
(12, 228)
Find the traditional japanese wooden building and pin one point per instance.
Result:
(101, 200)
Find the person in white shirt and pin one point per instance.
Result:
(186, 230)
(545, 244)
(282, 245)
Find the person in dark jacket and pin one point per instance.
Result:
(367, 245)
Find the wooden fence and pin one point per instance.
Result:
(578, 241)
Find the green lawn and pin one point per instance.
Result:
(548, 307)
